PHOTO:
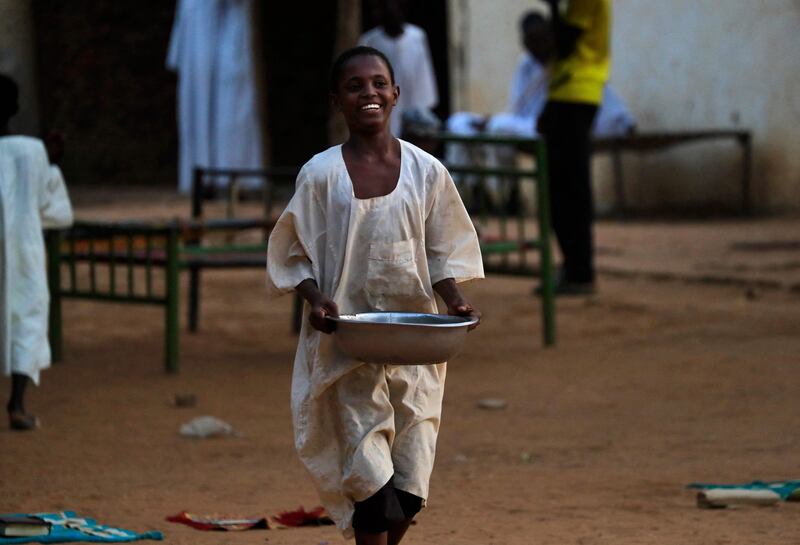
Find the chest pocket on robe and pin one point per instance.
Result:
(393, 280)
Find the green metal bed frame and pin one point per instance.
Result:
(209, 184)
(514, 238)
(134, 262)
(139, 262)
(136, 249)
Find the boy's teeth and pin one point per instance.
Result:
(370, 107)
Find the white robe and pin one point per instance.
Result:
(358, 424)
(413, 69)
(526, 100)
(218, 122)
(32, 196)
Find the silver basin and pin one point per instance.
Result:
(401, 338)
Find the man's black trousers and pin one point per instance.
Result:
(566, 127)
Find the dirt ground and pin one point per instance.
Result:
(655, 383)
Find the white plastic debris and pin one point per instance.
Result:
(724, 497)
(492, 403)
(207, 426)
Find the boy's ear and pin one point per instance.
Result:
(396, 94)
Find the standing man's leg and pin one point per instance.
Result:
(566, 128)
(582, 267)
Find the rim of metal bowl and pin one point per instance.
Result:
(456, 321)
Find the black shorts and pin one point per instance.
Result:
(388, 506)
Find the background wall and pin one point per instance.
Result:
(103, 83)
(17, 59)
(297, 63)
(693, 64)
(485, 48)
(679, 64)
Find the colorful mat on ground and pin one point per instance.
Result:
(301, 517)
(286, 519)
(68, 526)
(787, 490)
(230, 523)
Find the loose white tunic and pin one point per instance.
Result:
(211, 48)
(358, 424)
(413, 69)
(32, 196)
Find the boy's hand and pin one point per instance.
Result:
(320, 309)
(464, 308)
(457, 305)
(321, 305)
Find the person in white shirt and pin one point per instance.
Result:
(32, 196)
(406, 47)
(212, 50)
(527, 97)
(375, 224)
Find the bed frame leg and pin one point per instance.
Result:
(53, 241)
(172, 287)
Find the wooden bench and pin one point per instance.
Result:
(649, 142)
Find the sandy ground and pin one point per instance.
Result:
(656, 382)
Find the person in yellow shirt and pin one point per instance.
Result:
(578, 73)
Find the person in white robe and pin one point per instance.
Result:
(369, 255)
(211, 49)
(33, 196)
(406, 46)
(527, 97)
(526, 100)
(360, 426)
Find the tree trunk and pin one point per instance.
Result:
(348, 30)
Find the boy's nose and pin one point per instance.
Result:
(369, 90)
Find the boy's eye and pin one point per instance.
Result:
(380, 83)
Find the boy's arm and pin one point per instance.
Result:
(321, 305)
(457, 304)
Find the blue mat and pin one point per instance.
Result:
(68, 526)
(785, 489)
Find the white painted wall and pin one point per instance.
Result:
(679, 64)
(485, 50)
(17, 59)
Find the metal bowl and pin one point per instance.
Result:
(401, 338)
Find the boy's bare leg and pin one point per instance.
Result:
(397, 531)
(364, 538)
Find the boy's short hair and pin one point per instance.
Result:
(353, 52)
(9, 98)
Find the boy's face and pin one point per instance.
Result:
(366, 94)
